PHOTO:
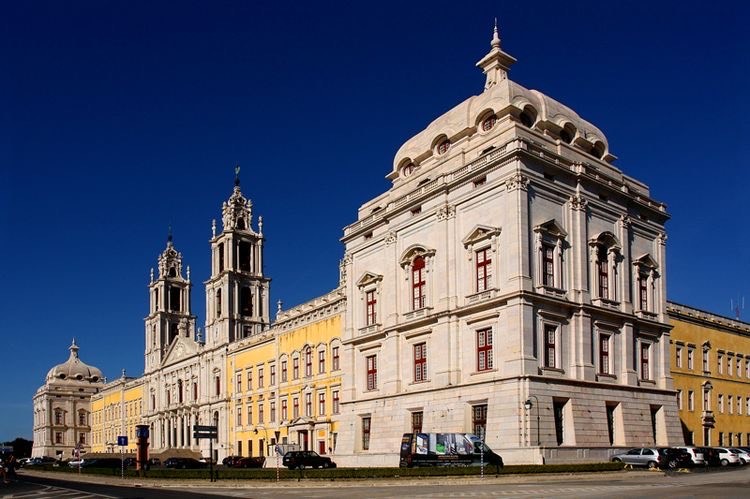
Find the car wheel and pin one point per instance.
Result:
(672, 464)
(651, 465)
(326, 465)
(300, 466)
(616, 460)
(724, 462)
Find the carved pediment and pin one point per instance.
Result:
(414, 251)
(480, 233)
(553, 228)
(646, 261)
(368, 278)
(607, 239)
(180, 348)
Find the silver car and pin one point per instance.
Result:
(642, 456)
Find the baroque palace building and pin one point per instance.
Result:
(510, 283)
(711, 370)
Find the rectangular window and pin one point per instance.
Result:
(308, 362)
(550, 342)
(335, 364)
(239, 447)
(720, 363)
(679, 399)
(706, 400)
(485, 357)
(705, 360)
(272, 369)
(81, 419)
(283, 371)
(82, 438)
(272, 407)
(729, 365)
(720, 401)
(249, 379)
(58, 437)
(416, 422)
(365, 433)
(730, 404)
(295, 368)
(321, 361)
(239, 382)
(604, 340)
(558, 412)
(321, 404)
(295, 407)
(261, 412)
(284, 410)
(418, 283)
(643, 291)
(195, 391)
(420, 362)
(308, 405)
(336, 401)
(484, 269)
(691, 400)
(239, 416)
(739, 405)
(645, 347)
(260, 377)
(603, 272)
(548, 265)
(690, 355)
(217, 379)
(479, 420)
(371, 302)
(372, 372)
(249, 413)
(678, 357)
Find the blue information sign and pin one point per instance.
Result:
(122, 441)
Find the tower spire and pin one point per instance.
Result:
(237, 175)
(496, 63)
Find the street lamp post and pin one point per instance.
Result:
(267, 444)
(528, 405)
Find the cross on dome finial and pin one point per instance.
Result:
(237, 175)
(169, 235)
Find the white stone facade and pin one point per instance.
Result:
(62, 408)
(510, 261)
(185, 376)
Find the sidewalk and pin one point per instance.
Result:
(178, 483)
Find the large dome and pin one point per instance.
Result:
(75, 370)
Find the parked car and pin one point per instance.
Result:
(301, 459)
(184, 463)
(249, 462)
(102, 462)
(720, 456)
(742, 454)
(674, 457)
(75, 463)
(229, 460)
(641, 456)
(37, 461)
(696, 454)
(24, 461)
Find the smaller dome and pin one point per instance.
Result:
(75, 370)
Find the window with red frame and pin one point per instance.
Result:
(484, 269)
(295, 407)
(604, 354)
(321, 361)
(372, 372)
(366, 433)
(485, 357)
(295, 368)
(283, 371)
(284, 410)
(603, 270)
(548, 265)
(420, 362)
(260, 378)
(488, 123)
(418, 283)
(550, 346)
(416, 421)
(371, 302)
(335, 363)
(336, 401)
(321, 403)
(443, 147)
(308, 361)
(645, 347)
(643, 291)
(479, 420)
(308, 405)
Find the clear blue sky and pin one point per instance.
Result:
(119, 119)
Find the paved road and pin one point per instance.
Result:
(726, 484)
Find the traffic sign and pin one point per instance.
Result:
(205, 428)
(205, 434)
(122, 441)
